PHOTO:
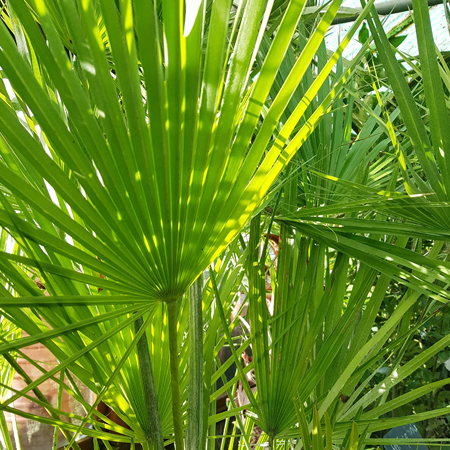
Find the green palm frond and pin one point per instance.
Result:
(159, 182)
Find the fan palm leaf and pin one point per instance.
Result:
(165, 174)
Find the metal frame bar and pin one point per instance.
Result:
(385, 8)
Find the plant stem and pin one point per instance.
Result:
(151, 401)
(272, 445)
(173, 348)
(195, 399)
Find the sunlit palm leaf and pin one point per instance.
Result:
(169, 187)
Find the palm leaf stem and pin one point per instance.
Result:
(151, 401)
(272, 443)
(195, 409)
(173, 352)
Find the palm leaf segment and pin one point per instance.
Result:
(151, 188)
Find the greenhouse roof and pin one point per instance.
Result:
(403, 21)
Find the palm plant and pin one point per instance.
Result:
(326, 305)
(340, 221)
(136, 141)
(344, 199)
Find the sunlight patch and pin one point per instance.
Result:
(40, 7)
(146, 244)
(88, 67)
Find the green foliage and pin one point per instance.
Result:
(145, 143)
